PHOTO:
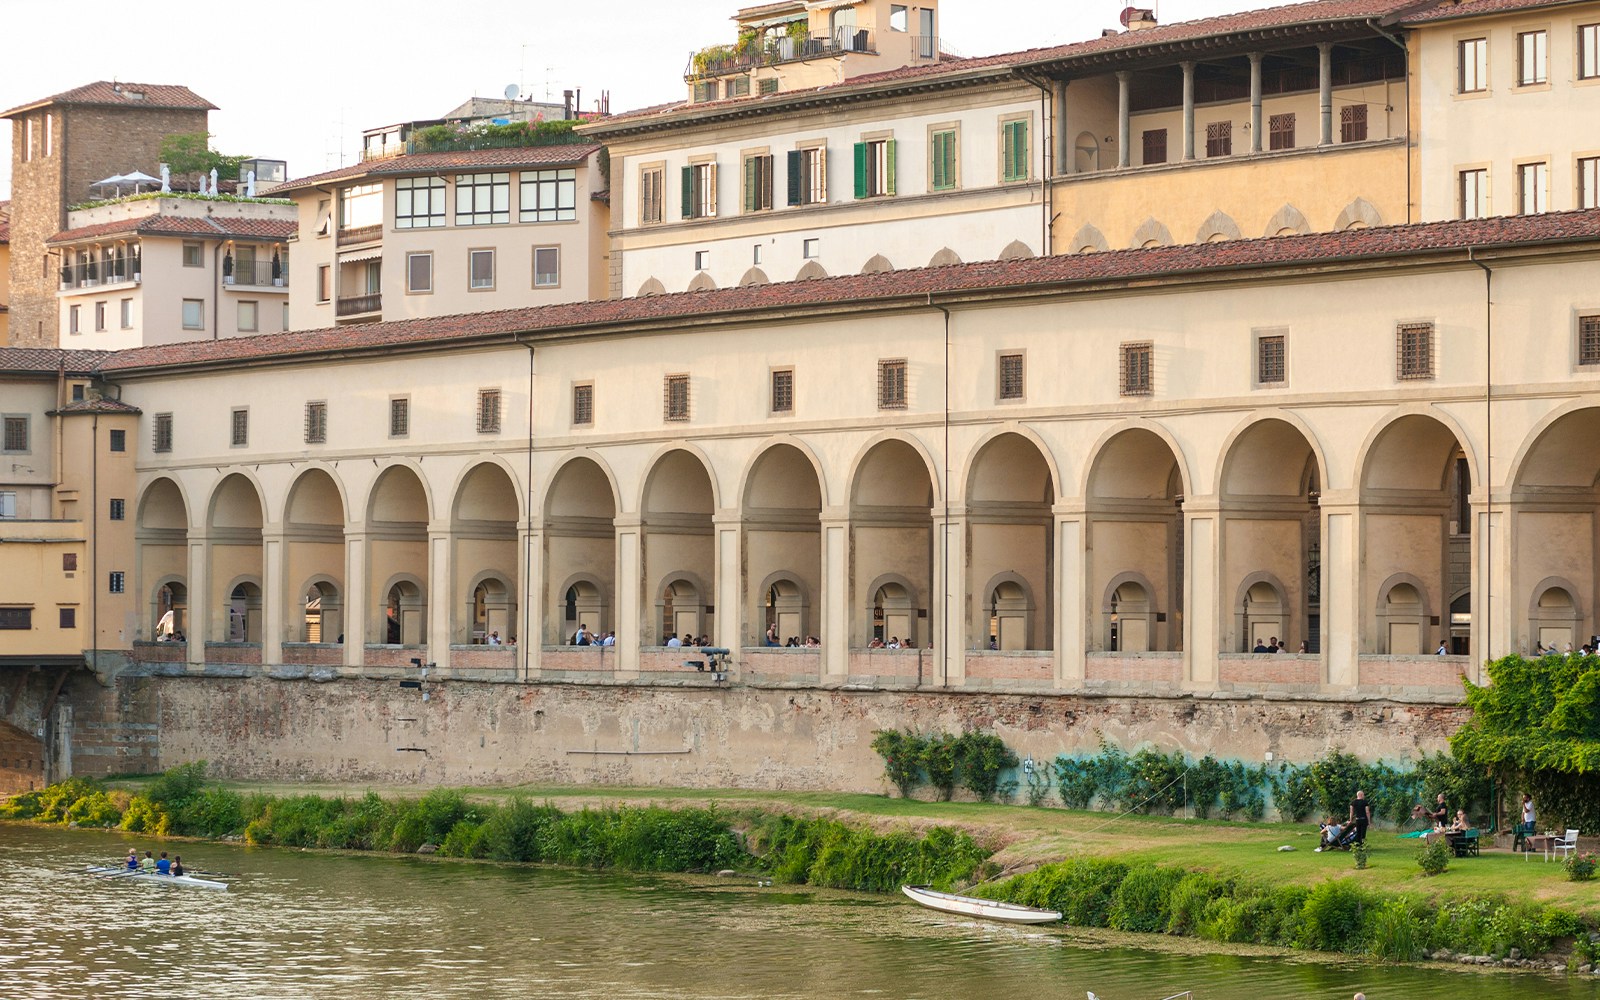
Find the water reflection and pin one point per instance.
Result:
(305, 924)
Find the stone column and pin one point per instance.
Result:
(1325, 88)
(630, 570)
(1255, 102)
(442, 596)
(1202, 600)
(275, 618)
(1188, 110)
(531, 602)
(1124, 126)
(1341, 589)
(1494, 614)
(835, 598)
(727, 587)
(1072, 584)
(356, 598)
(202, 606)
(949, 607)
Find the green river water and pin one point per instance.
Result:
(308, 924)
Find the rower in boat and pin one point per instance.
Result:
(148, 865)
(163, 866)
(177, 866)
(133, 860)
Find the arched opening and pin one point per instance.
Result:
(398, 562)
(1461, 625)
(1086, 150)
(1264, 621)
(891, 527)
(1135, 535)
(162, 535)
(1415, 525)
(313, 533)
(583, 614)
(580, 542)
(679, 544)
(244, 613)
(1555, 524)
(1554, 620)
(1010, 617)
(782, 529)
(1271, 485)
(322, 613)
(234, 528)
(405, 614)
(1010, 530)
(170, 612)
(483, 536)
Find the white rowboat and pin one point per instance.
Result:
(988, 909)
(186, 881)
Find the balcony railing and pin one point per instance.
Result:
(360, 234)
(722, 60)
(259, 274)
(100, 273)
(355, 305)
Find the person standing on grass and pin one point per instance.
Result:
(1360, 815)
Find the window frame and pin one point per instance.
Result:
(1586, 175)
(497, 186)
(1136, 368)
(74, 319)
(362, 196)
(1482, 205)
(1586, 341)
(1280, 131)
(807, 179)
(1586, 66)
(755, 181)
(199, 253)
(399, 417)
(583, 398)
(1354, 118)
(1478, 78)
(126, 314)
(67, 617)
(1145, 144)
(117, 440)
(780, 389)
(8, 424)
(161, 426)
(1538, 171)
(894, 384)
(1016, 164)
(1001, 377)
(254, 307)
(1533, 67)
(560, 182)
(487, 415)
(100, 317)
(117, 509)
(652, 193)
(699, 189)
(324, 283)
(200, 309)
(435, 191)
(16, 618)
(950, 172)
(316, 421)
(239, 427)
(1219, 139)
(1260, 338)
(117, 582)
(1414, 363)
(875, 167)
(675, 398)
(472, 254)
(411, 287)
(537, 284)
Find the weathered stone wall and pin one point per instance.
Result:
(371, 729)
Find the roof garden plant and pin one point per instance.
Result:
(457, 136)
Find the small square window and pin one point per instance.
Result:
(488, 411)
(317, 422)
(1589, 340)
(783, 390)
(811, 249)
(194, 255)
(1414, 351)
(69, 562)
(16, 435)
(77, 392)
(162, 441)
(240, 435)
(69, 617)
(480, 267)
(1011, 376)
(1136, 375)
(583, 404)
(194, 314)
(119, 440)
(419, 273)
(702, 259)
(249, 317)
(892, 384)
(1270, 358)
(546, 267)
(767, 86)
(399, 416)
(115, 584)
(119, 508)
(675, 397)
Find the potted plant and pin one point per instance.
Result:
(277, 269)
(227, 267)
(137, 276)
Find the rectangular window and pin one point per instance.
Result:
(69, 560)
(1219, 139)
(74, 319)
(942, 175)
(1589, 340)
(757, 183)
(1280, 133)
(27, 139)
(705, 90)
(652, 196)
(480, 269)
(69, 617)
(739, 86)
(18, 619)
(249, 317)
(77, 392)
(808, 176)
(1533, 188)
(316, 422)
(361, 207)
(1270, 357)
(324, 283)
(483, 199)
(488, 411)
(194, 255)
(419, 202)
(1589, 182)
(702, 259)
(119, 509)
(116, 583)
(783, 390)
(767, 86)
(119, 440)
(1472, 65)
(194, 314)
(1136, 375)
(1533, 58)
(549, 195)
(99, 316)
(1588, 51)
(16, 435)
(399, 416)
(1014, 161)
(874, 173)
(241, 427)
(546, 267)
(892, 384)
(755, 254)
(675, 398)
(700, 191)
(1155, 146)
(811, 248)
(1011, 381)
(583, 404)
(419, 273)
(1353, 123)
(1472, 192)
(161, 439)
(127, 314)
(1414, 349)
(49, 132)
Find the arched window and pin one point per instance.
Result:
(1010, 617)
(244, 613)
(893, 615)
(324, 621)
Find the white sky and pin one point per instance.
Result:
(298, 80)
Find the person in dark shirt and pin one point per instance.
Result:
(1360, 815)
(177, 866)
(1440, 814)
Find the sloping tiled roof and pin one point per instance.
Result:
(559, 155)
(49, 359)
(1039, 273)
(118, 94)
(1447, 9)
(99, 406)
(215, 227)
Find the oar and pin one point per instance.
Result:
(201, 871)
(116, 874)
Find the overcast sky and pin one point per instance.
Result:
(298, 80)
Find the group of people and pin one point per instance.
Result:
(892, 643)
(493, 639)
(584, 637)
(1272, 645)
(793, 642)
(1554, 649)
(1344, 835)
(152, 865)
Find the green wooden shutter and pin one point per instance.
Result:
(795, 180)
(752, 198)
(861, 169)
(688, 192)
(889, 184)
(939, 173)
(1016, 151)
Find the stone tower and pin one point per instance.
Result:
(59, 147)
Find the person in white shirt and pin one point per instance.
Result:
(674, 641)
(1442, 650)
(494, 638)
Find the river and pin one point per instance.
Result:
(300, 924)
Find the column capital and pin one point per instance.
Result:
(1255, 57)
(1187, 66)
(1123, 75)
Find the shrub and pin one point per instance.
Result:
(516, 831)
(1336, 778)
(25, 805)
(144, 816)
(462, 840)
(427, 820)
(1434, 858)
(1359, 853)
(1076, 781)
(941, 758)
(984, 757)
(1393, 932)
(1155, 782)
(1294, 792)
(1038, 787)
(1142, 901)
(902, 758)
(1205, 784)
(1579, 867)
(1463, 927)
(94, 809)
(1333, 916)
(1186, 905)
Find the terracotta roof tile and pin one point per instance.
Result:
(1040, 272)
(1447, 10)
(559, 155)
(119, 94)
(99, 406)
(215, 227)
(49, 359)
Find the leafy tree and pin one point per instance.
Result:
(190, 154)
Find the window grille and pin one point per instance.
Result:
(163, 433)
(675, 397)
(1281, 134)
(768, 86)
(16, 434)
(1353, 123)
(119, 441)
(1269, 359)
(483, 199)
(399, 416)
(119, 509)
(1589, 340)
(1219, 139)
(1136, 375)
(117, 581)
(892, 384)
(783, 390)
(69, 617)
(1414, 350)
(316, 423)
(419, 202)
(488, 411)
(739, 86)
(241, 428)
(1011, 376)
(583, 405)
(549, 195)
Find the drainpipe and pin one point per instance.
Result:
(1401, 44)
(1047, 145)
(944, 541)
(1488, 448)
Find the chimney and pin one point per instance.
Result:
(1138, 18)
(566, 104)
